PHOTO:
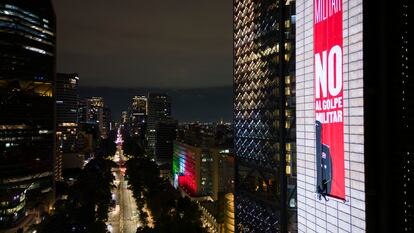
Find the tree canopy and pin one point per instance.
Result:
(87, 206)
(170, 211)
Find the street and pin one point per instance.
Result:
(124, 217)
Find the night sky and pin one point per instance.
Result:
(139, 43)
(128, 47)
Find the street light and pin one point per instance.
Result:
(109, 227)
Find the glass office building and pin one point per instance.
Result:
(67, 125)
(27, 74)
(264, 116)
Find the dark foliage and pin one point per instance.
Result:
(86, 208)
(171, 213)
(133, 146)
(107, 147)
(73, 173)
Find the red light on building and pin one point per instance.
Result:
(184, 167)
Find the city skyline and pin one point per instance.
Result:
(180, 53)
(188, 104)
(243, 116)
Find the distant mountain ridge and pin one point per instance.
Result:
(198, 104)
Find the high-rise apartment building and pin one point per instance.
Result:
(158, 109)
(27, 105)
(264, 116)
(354, 116)
(67, 125)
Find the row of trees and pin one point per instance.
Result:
(89, 198)
(170, 212)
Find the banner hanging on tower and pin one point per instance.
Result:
(329, 110)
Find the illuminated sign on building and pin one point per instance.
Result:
(328, 62)
(184, 173)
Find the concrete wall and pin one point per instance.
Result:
(319, 215)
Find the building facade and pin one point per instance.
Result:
(12, 207)
(98, 113)
(186, 168)
(27, 101)
(83, 110)
(264, 116)
(159, 109)
(138, 115)
(376, 107)
(201, 171)
(166, 132)
(67, 124)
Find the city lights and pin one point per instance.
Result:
(247, 116)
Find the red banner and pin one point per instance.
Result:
(328, 68)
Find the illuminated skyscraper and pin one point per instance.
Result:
(67, 125)
(96, 113)
(27, 124)
(138, 115)
(264, 115)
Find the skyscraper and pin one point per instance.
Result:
(96, 114)
(107, 120)
(67, 125)
(264, 116)
(159, 109)
(27, 125)
(138, 115)
(166, 132)
(83, 110)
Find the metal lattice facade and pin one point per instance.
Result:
(264, 115)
